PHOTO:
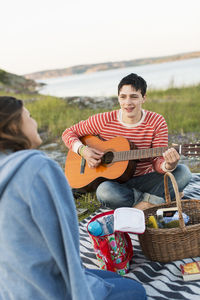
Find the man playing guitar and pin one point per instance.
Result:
(145, 129)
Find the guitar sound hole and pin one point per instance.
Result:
(107, 158)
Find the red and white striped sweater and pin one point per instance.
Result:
(150, 132)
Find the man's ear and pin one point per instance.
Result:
(144, 98)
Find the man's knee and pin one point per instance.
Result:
(103, 194)
(103, 190)
(183, 176)
(110, 194)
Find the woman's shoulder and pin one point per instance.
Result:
(26, 165)
(38, 158)
(32, 160)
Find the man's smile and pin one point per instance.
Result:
(129, 109)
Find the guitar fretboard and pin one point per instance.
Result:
(138, 154)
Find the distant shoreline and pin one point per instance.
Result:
(90, 68)
(104, 84)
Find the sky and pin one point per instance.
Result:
(38, 35)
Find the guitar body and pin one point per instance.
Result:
(118, 162)
(90, 178)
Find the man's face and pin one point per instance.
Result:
(130, 102)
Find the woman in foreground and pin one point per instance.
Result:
(39, 237)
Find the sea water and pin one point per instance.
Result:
(104, 83)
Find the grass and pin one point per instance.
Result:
(88, 201)
(179, 106)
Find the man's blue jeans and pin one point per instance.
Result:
(123, 288)
(113, 194)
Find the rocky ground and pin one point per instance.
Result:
(93, 102)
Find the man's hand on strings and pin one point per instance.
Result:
(171, 157)
(92, 156)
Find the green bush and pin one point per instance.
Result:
(3, 77)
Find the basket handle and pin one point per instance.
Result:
(178, 200)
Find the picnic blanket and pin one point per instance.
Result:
(161, 280)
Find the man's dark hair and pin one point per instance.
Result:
(137, 82)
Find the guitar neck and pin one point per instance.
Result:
(139, 154)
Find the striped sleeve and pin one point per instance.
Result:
(92, 126)
(160, 139)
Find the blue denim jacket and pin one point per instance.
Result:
(39, 236)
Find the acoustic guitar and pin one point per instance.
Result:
(118, 162)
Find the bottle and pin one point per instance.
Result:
(95, 228)
(108, 227)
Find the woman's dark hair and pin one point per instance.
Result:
(137, 82)
(11, 135)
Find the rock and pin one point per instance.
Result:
(93, 103)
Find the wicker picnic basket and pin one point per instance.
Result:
(169, 244)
